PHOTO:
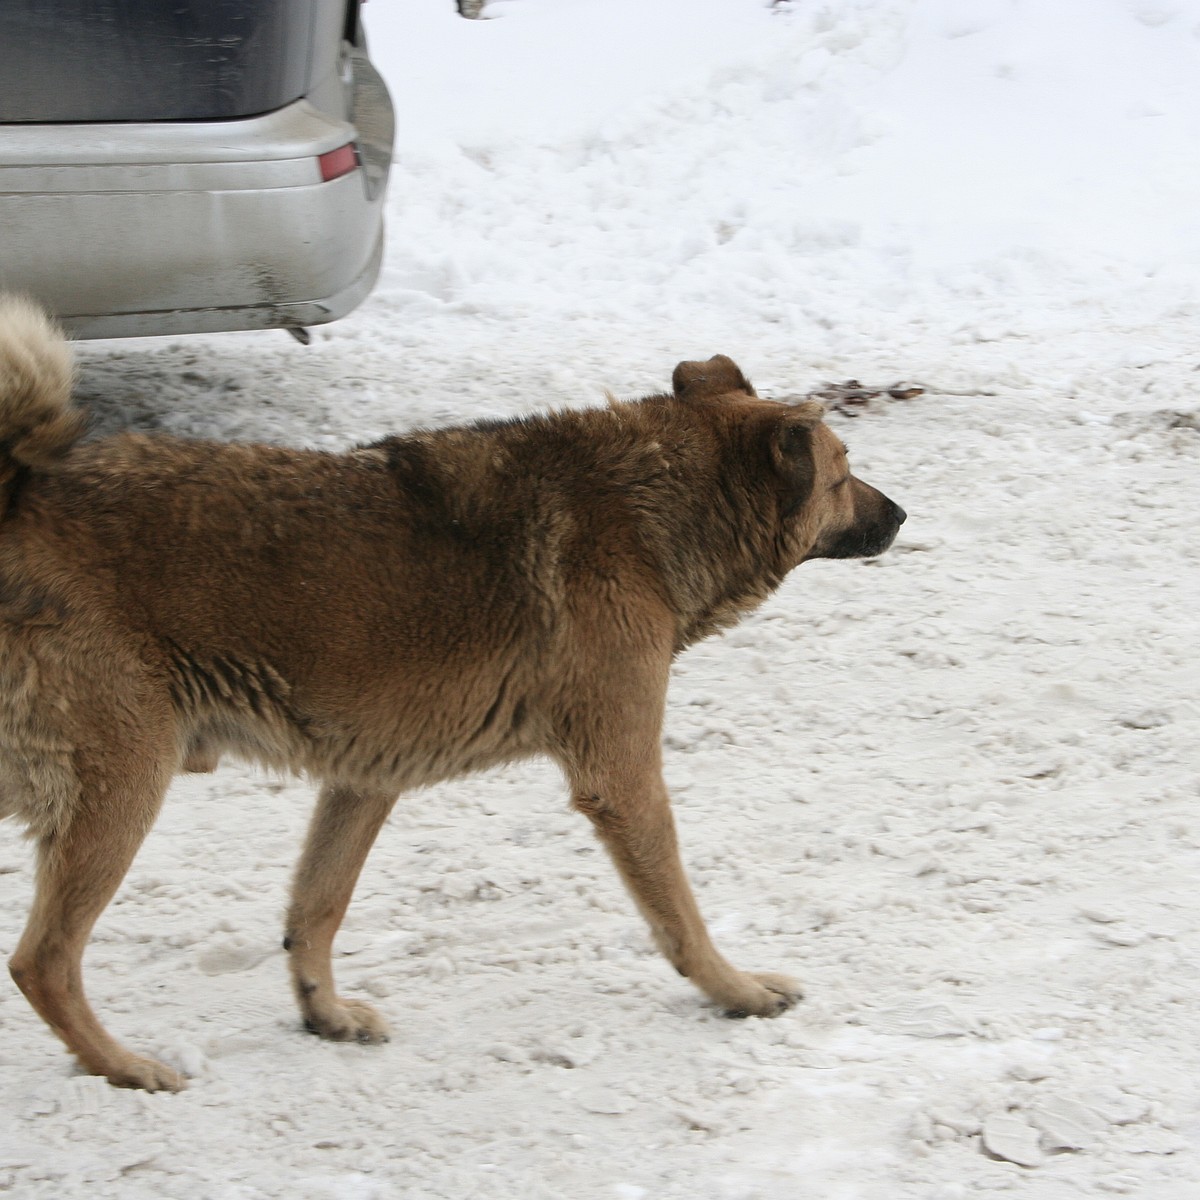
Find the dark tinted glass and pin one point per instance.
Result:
(151, 60)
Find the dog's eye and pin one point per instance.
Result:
(845, 479)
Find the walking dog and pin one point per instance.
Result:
(406, 612)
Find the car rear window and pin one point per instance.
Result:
(151, 60)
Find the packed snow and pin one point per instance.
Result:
(956, 790)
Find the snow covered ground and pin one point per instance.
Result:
(955, 790)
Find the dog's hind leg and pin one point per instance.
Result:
(79, 869)
(618, 785)
(343, 829)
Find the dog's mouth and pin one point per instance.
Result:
(856, 544)
(863, 541)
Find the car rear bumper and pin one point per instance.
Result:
(123, 229)
(273, 314)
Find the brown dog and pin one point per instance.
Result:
(409, 611)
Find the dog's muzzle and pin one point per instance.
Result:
(867, 538)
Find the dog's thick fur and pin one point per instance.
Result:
(406, 612)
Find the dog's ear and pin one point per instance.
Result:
(791, 440)
(716, 377)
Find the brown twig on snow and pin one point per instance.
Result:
(846, 397)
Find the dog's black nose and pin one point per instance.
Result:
(899, 513)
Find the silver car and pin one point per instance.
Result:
(192, 166)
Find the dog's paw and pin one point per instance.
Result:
(348, 1021)
(764, 996)
(133, 1071)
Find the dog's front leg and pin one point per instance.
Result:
(627, 802)
(343, 829)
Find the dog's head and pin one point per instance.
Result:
(824, 511)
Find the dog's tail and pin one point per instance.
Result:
(37, 422)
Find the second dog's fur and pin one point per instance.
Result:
(403, 613)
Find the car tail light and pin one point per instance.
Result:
(336, 163)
